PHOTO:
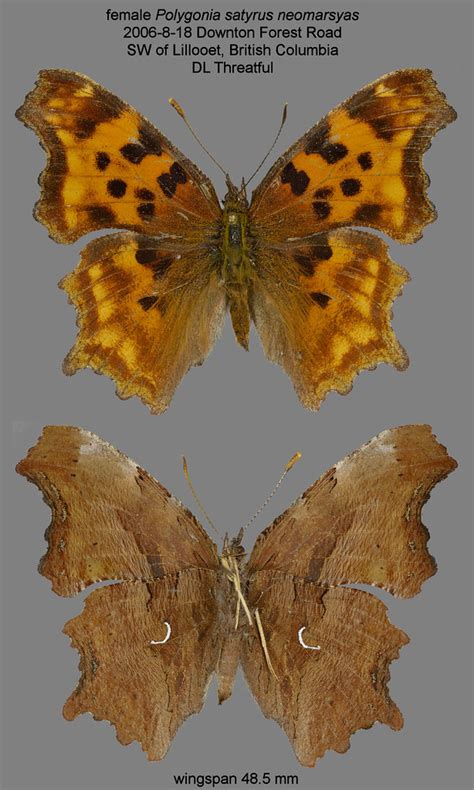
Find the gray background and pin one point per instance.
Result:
(237, 418)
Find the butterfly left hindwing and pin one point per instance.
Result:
(315, 653)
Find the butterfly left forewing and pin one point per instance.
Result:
(108, 166)
(330, 647)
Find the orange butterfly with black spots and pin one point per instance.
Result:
(152, 298)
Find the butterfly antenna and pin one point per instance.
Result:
(291, 463)
(176, 105)
(283, 119)
(198, 501)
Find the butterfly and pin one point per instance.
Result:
(151, 300)
(315, 654)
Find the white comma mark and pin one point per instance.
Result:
(303, 644)
(162, 641)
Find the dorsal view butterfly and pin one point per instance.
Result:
(315, 653)
(152, 299)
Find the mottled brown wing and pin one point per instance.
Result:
(331, 650)
(111, 520)
(323, 310)
(360, 522)
(147, 311)
(108, 167)
(360, 165)
(330, 647)
(149, 644)
(145, 686)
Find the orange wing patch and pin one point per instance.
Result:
(110, 167)
(361, 165)
(331, 317)
(146, 313)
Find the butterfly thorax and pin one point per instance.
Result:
(236, 260)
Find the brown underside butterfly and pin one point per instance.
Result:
(315, 652)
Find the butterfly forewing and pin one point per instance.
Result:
(111, 519)
(108, 167)
(360, 165)
(361, 521)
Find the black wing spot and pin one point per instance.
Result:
(145, 256)
(147, 302)
(320, 298)
(323, 193)
(350, 186)
(297, 179)
(133, 152)
(321, 209)
(144, 194)
(169, 181)
(320, 144)
(116, 187)
(146, 210)
(365, 160)
(102, 160)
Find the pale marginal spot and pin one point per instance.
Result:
(368, 285)
(362, 333)
(303, 643)
(109, 336)
(340, 347)
(373, 266)
(162, 641)
(85, 90)
(56, 102)
(394, 189)
(398, 217)
(128, 350)
(92, 443)
(363, 304)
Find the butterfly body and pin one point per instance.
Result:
(152, 298)
(315, 652)
(236, 252)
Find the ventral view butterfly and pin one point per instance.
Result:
(151, 299)
(315, 653)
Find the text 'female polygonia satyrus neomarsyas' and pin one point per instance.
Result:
(152, 299)
(315, 652)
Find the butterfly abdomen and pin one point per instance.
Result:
(236, 267)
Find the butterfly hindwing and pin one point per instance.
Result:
(330, 649)
(331, 315)
(108, 167)
(147, 312)
(360, 165)
(146, 686)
